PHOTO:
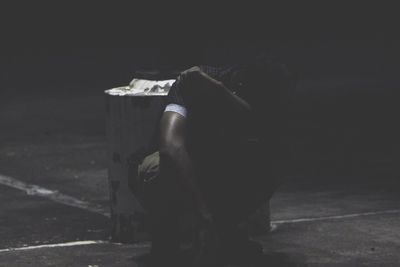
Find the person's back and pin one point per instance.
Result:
(215, 137)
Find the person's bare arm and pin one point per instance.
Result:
(174, 159)
(194, 81)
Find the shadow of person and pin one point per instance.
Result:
(185, 259)
(276, 259)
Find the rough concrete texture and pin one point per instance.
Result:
(27, 220)
(56, 141)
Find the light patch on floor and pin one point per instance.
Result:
(337, 217)
(73, 244)
(53, 195)
(56, 196)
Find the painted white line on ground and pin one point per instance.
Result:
(54, 195)
(74, 202)
(336, 217)
(73, 244)
(67, 244)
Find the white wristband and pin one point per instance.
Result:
(176, 108)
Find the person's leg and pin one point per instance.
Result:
(161, 200)
(230, 192)
(244, 185)
(165, 236)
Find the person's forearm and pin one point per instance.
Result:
(179, 161)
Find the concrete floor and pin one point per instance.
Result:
(56, 141)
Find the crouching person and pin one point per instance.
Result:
(219, 157)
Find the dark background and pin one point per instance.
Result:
(339, 202)
(343, 112)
